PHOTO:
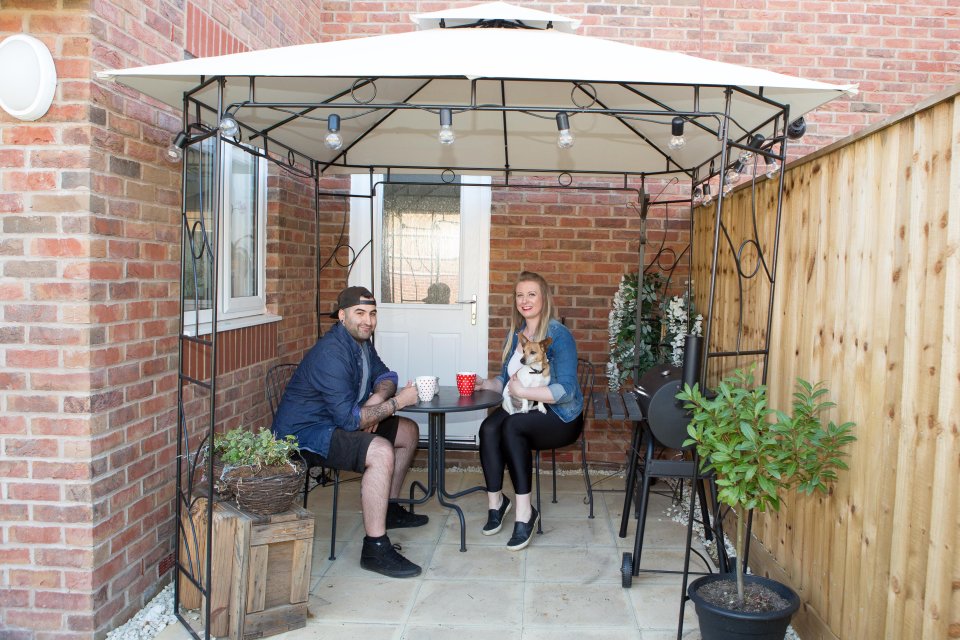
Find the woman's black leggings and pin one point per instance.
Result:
(509, 441)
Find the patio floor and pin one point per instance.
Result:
(565, 585)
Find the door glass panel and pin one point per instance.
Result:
(421, 243)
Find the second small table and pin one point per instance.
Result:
(448, 400)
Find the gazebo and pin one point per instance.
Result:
(502, 91)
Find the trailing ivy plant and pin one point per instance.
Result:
(757, 452)
(680, 320)
(240, 447)
(624, 340)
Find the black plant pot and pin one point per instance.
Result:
(717, 623)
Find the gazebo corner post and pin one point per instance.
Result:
(724, 152)
(181, 429)
(186, 458)
(217, 220)
(694, 182)
(641, 267)
(316, 243)
(373, 217)
(781, 179)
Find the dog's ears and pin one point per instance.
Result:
(523, 339)
(546, 342)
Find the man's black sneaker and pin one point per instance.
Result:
(523, 532)
(380, 556)
(495, 517)
(400, 518)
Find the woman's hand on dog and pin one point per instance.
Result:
(516, 388)
(536, 394)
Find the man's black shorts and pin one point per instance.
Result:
(348, 449)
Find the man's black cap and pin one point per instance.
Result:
(350, 297)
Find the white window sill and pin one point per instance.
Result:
(228, 324)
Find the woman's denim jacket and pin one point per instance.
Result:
(564, 386)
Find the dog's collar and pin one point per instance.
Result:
(532, 370)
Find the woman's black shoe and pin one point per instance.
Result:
(495, 517)
(523, 532)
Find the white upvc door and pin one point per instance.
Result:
(430, 274)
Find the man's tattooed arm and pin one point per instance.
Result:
(372, 415)
(384, 390)
(383, 407)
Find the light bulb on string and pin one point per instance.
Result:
(772, 167)
(229, 126)
(677, 141)
(446, 134)
(333, 140)
(564, 137)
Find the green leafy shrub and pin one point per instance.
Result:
(757, 452)
(240, 447)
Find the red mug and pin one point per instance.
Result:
(466, 382)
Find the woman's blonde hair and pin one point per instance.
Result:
(547, 313)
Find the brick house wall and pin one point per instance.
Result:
(90, 306)
(90, 245)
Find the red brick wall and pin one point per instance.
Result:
(89, 257)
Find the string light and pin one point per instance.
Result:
(677, 142)
(564, 138)
(446, 134)
(333, 140)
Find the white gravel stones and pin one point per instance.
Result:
(150, 621)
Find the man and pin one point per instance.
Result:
(341, 404)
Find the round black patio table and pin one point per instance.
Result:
(447, 400)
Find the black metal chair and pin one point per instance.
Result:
(276, 383)
(586, 375)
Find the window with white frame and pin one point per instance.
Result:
(241, 263)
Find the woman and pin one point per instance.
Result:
(509, 440)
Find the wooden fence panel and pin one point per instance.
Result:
(868, 300)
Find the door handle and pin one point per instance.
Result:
(473, 308)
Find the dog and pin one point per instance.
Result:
(535, 372)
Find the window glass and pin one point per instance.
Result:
(244, 241)
(241, 267)
(421, 243)
(198, 257)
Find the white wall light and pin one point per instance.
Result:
(28, 77)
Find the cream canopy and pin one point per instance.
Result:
(505, 85)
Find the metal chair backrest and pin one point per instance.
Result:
(586, 374)
(277, 378)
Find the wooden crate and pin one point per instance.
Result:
(261, 572)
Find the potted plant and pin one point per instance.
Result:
(258, 469)
(756, 453)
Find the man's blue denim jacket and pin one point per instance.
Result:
(564, 386)
(322, 394)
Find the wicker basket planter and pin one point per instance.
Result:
(265, 490)
(219, 485)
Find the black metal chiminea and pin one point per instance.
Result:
(657, 394)
(667, 419)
